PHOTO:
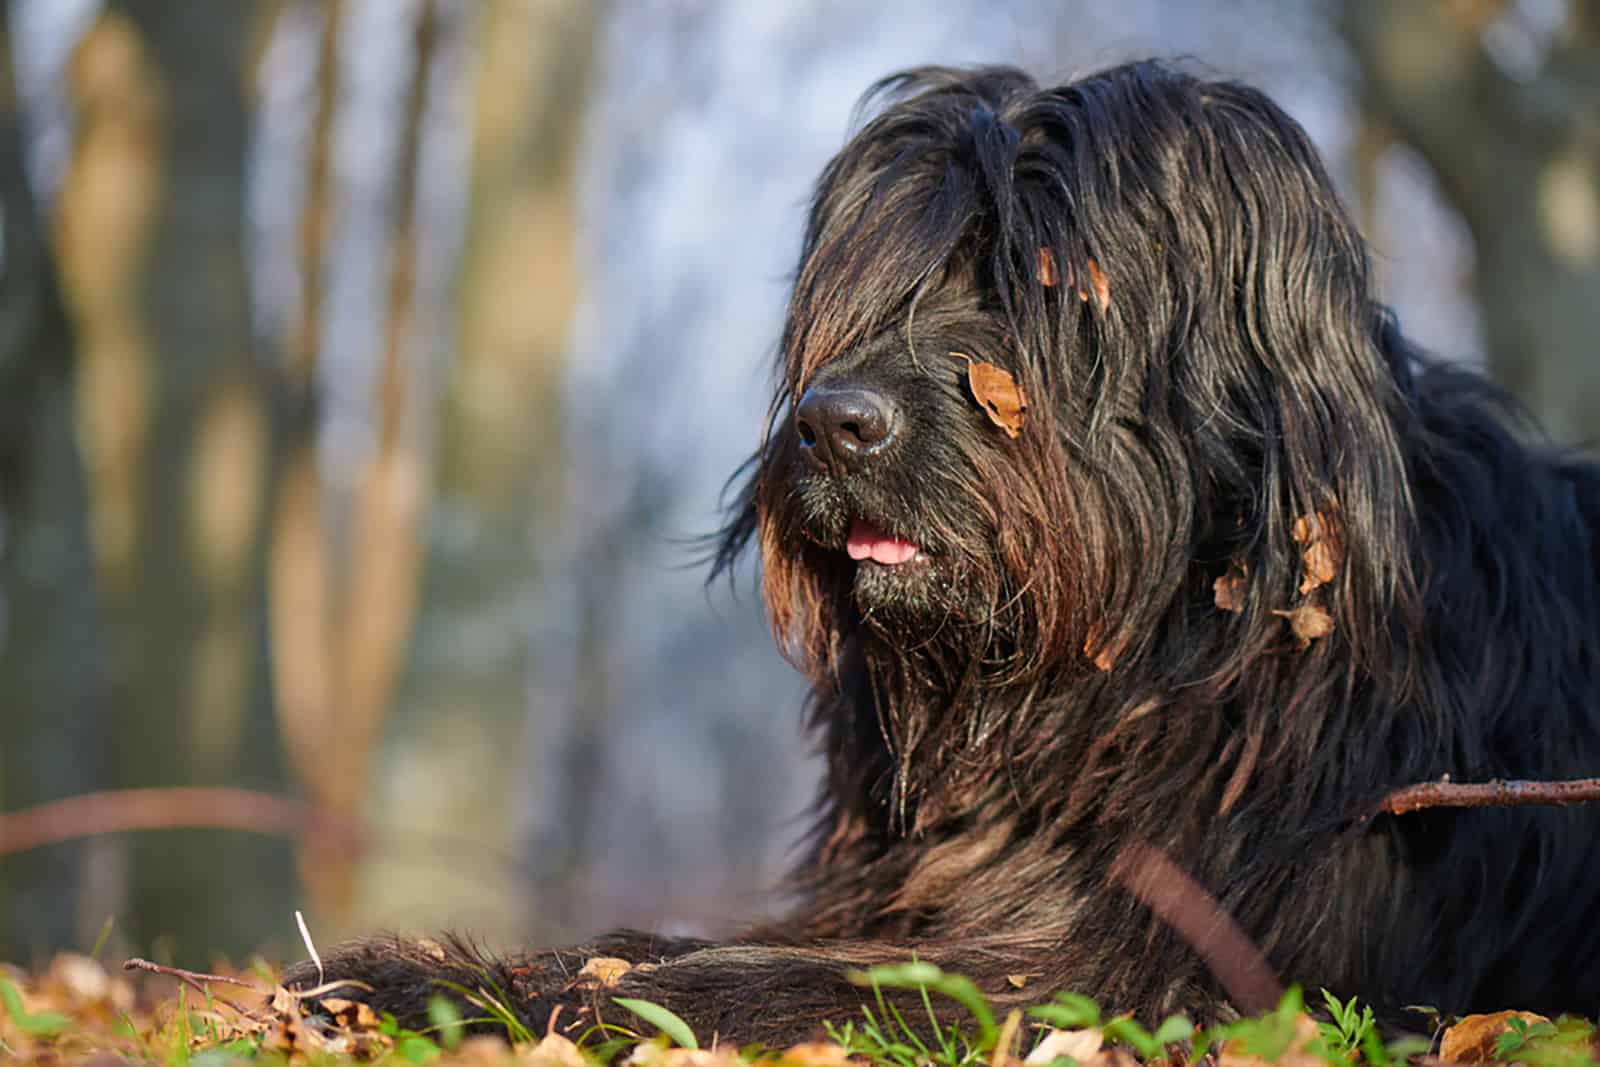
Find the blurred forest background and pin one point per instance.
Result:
(369, 367)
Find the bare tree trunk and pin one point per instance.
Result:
(366, 580)
(1519, 157)
(301, 586)
(180, 421)
(499, 473)
(52, 673)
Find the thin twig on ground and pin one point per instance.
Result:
(199, 982)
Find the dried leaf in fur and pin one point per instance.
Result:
(1321, 552)
(607, 970)
(1001, 398)
(1103, 655)
(1230, 588)
(1048, 275)
(1307, 622)
(1101, 286)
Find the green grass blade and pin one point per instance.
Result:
(39, 1024)
(662, 1019)
(446, 1020)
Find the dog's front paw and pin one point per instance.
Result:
(402, 976)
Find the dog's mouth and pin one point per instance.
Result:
(868, 541)
(897, 581)
(898, 574)
(890, 567)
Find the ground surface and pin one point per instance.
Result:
(81, 1010)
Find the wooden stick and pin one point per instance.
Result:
(1508, 793)
(1227, 951)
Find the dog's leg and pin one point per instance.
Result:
(773, 994)
(401, 975)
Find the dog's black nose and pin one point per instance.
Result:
(842, 427)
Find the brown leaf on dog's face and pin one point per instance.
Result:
(1322, 554)
(1048, 277)
(1307, 622)
(1230, 588)
(1001, 398)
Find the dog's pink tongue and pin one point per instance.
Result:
(866, 541)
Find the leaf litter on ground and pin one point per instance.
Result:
(76, 1010)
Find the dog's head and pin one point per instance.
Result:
(1057, 360)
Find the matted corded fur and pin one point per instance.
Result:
(1055, 674)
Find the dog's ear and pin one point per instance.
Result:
(1297, 357)
(1231, 390)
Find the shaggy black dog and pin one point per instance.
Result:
(1102, 504)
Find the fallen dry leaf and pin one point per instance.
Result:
(1321, 553)
(1001, 398)
(1472, 1039)
(1017, 981)
(651, 1054)
(283, 1001)
(1307, 622)
(817, 1054)
(351, 1014)
(1230, 589)
(1005, 1047)
(607, 970)
(1305, 1032)
(1081, 1045)
(553, 1050)
(483, 1048)
(334, 1026)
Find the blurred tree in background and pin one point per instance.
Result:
(1503, 102)
(53, 708)
(181, 441)
(367, 367)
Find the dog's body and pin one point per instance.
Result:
(1245, 567)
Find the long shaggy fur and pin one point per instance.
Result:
(1053, 676)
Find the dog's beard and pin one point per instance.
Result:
(892, 555)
